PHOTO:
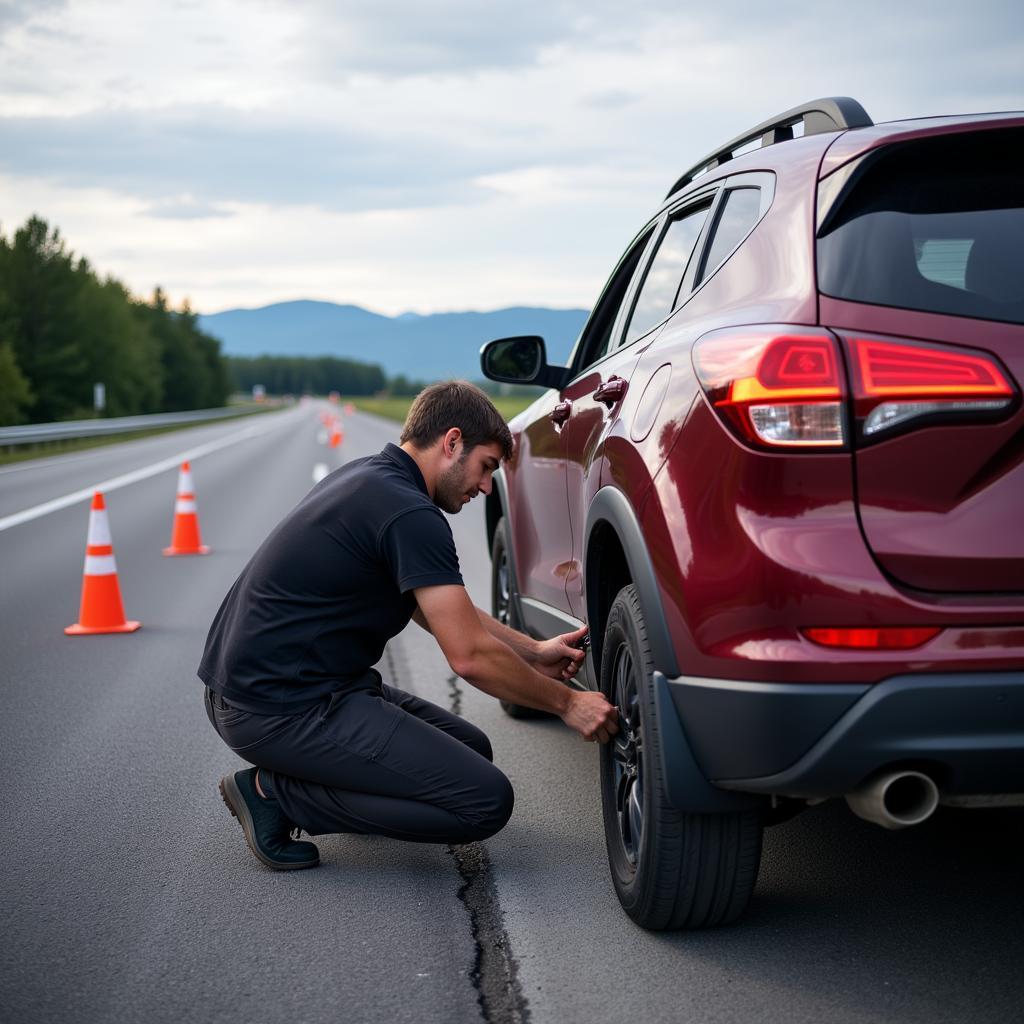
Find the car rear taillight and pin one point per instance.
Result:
(896, 381)
(785, 387)
(885, 638)
(775, 387)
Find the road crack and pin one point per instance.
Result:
(454, 694)
(495, 972)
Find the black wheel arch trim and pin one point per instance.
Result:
(611, 506)
(498, 499)
(499, 504)
(686, 786)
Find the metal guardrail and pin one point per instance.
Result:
(35, 433)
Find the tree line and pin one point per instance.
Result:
(320, 375)
(64, 329)
(299, 375)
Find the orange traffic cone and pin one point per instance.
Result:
(336, 435)
(185, 539)
(101, 610)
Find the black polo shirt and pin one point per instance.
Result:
(313, 609)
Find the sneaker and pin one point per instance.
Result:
(267, 830)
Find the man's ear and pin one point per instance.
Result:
(451, 441)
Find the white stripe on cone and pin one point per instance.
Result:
(185, 482)
(185, 505)
(99, 527)
(100, 565)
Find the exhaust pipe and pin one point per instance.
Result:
(895, 799)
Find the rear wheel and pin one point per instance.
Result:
(670, 869)
(505, 603)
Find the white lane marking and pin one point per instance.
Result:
(114, 483)
(319, 472)
(321, 437)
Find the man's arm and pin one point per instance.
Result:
(490, 664)
(525, 646)
(559, 657)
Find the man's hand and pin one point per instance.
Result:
(561, 656)
(592, 716)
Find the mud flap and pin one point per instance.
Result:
(685, 785)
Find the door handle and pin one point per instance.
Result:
(561, 412)
(611, 391)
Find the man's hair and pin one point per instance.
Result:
(455, 403)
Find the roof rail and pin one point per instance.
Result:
(829, 114)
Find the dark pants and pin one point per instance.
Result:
(376, 761)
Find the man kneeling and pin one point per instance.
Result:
(287, 664)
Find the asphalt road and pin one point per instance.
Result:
(129, 895)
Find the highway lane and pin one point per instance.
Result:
(131, 896)
(128, 892)
(26, 485)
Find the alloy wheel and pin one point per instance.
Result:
(627, 756)
(503, 591)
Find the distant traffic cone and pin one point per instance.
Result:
(185, 539)
(101, 610)
(336, 435)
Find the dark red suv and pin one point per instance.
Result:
(782, 479)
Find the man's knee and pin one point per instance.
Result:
(494, 808)
(477, 740)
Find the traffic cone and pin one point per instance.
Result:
(185, 539)
(336, 435)
(101, 610)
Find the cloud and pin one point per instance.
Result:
(186, 208)
(444, 37)
(17, 12)
(215, 155)
(611, 99)
(450, 154)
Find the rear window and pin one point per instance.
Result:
(935, 225)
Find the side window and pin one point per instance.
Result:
(660, 290)
(597, 334)
(736, 216)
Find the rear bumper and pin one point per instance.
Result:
(964, 729)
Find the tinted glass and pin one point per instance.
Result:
(598, 332)
(660, 289)
(738, 214)
(935, 225)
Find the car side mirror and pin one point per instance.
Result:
(520, 360)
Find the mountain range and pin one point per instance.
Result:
(422, 347)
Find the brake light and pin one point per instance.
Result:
(896, 381)
(775, 387)
(887, 638)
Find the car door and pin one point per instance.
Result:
(582, 417)
(541, 541)
(598, 393)
(541, 527)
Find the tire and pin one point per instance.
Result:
(505, 603)
(671, 869)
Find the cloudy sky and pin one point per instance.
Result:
(431, 155)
